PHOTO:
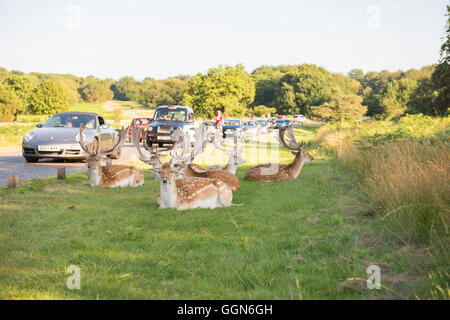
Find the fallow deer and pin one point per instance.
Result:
(274, 171)
(189, 192)
(196, 171)
(110, 176)
(153, 158)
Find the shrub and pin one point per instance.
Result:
(48, 98)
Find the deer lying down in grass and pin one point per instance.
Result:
(110, 176)
(189, 192)
(274, 171)
(195, 171)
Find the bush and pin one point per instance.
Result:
(10, 104)
(48, 98)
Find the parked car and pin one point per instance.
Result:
(264, 125)
(250, 128)
(143, 122)
(166, 120)
(299, 118)
(58, 137)
(282, 124)
(232, 127)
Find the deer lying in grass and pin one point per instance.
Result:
(189, 192)
(274, 171)
(110, 176)
(195, 171)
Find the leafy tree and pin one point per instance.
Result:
(395, 100)
(126, 89)
(21, 86)
(422, 98)
(263, 110)
(10, 104)
(96, 91)
(48, 98)
(341, 107)
(305, 86)
(441, 75)
(357, 74)
(226, 88)
(346, 85)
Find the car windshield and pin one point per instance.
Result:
(71, 121)
(232, 123)
(166, 114)
(250, 124)
(142, 121)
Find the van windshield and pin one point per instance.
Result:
(173, 115)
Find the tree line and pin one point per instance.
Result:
(287, 89)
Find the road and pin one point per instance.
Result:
(12, 163)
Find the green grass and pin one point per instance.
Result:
(291, 239)
(11, 135)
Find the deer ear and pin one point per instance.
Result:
(294, 153)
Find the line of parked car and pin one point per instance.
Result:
(59, 136)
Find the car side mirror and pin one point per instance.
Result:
(39, 125)
(105, 126)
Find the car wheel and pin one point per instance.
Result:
(116, 154)
(31, 159)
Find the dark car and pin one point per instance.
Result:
(282, 124)
(58, 137)
(166, 120)
(232, 127)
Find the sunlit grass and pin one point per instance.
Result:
(292, 238)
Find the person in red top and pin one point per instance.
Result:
(219, 117)
(219, 120)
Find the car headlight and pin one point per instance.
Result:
(28, 136)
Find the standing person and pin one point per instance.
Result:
(219, 119)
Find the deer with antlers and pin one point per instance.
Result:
(194, 170)
(110, 176)
(274, 171)
(182, 193)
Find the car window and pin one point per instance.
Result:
(232, 122)
(71, 120)
(177, 115)
(101, 121)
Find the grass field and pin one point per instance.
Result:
(299, 239)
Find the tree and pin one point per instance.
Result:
(96, 91)
(422, 98)
(441, 75)
(395, 100)
(48, 98)
(21, 86)
(226, 88)
(9, 104)
(263, 110)
(126, 89)
(341, 107)
(305, 86)
(357, 74)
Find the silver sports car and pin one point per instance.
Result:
(58, 137)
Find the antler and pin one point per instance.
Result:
(181, 141)
(121, 139)
(83, 144)
(291, 142)
(200, 142)
(154, 158)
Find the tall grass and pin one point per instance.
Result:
(404, 170)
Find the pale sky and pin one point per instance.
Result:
(165, 38)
